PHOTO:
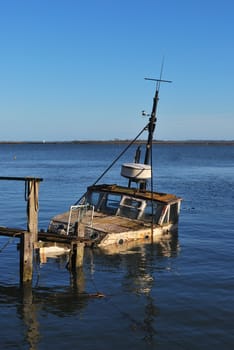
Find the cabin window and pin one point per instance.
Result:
(105, 202)
(156, 209)
(166, 215)
(130, 208)
(111, 204)
(173, 217)
(93, 199)
(132, 203)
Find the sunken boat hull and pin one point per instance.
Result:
(109, 215)
(115, 215)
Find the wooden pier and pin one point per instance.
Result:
(31, 239)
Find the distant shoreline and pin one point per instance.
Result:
(162, 142)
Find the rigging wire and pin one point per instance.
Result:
(115, 160)
(120, 155)
(152, 190)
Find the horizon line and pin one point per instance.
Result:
(115, 141)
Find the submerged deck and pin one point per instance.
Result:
(108, 223)
(116, 224)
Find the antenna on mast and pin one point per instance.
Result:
(153, 118)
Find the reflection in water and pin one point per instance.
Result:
(31, 301)
(137, 277)
(28, 313)
(26, 308)
(167, 246)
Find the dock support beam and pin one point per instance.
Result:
(32, 206)
(76, 255)
(29, 238)
(26, 257)
(77, 249)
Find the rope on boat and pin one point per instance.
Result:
(28, 192)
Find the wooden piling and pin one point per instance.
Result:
(76, 255)
(32, 206)
(30, 237)
(26, 256)
(79, 254)
(77, 249)
(80, 245)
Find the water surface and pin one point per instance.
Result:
(174, 295)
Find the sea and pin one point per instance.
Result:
(176, 294)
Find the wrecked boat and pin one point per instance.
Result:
(113, 215)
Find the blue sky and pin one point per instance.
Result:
(74, 69)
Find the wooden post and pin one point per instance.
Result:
(77, 249)
(32, 207)
(78, 280)
(29, 238)
(80, 245)
(79, 254)
(26, 257)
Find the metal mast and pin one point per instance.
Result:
(153, 119)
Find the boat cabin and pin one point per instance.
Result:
(131, 203)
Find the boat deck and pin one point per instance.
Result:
(108, 223)
(116, 224)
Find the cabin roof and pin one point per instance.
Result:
(135, 192)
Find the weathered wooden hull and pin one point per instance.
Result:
(144, 236)
(115, 230)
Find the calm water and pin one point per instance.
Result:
(174, 295)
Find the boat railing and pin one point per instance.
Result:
(80, 214)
